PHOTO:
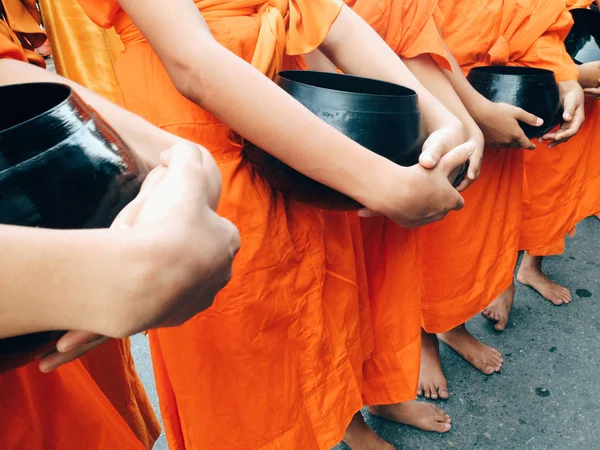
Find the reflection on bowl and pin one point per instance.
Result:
(382, 117)
(62, 167)
(534, 90)
(583, 41)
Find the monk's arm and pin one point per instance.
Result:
(354, 47)
(228, 87)
(53, 280)
(499, 122)
(149, 140)
(432, 77)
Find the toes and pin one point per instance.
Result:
(486, 313)
(444, 394)
(488, 370)
(441, 427)
(419, 392)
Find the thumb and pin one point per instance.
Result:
(569, 106)
(457, 156)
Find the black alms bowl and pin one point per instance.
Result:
(534, 90)
(62, 167)
(583, 41)
(382, 117)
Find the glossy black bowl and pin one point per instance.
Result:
(534, 90)
(382, 117)
(62, 167)
(583, 41)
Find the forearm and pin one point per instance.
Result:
(354, 47)
(433, 78)
(146, 140)
(54, 280)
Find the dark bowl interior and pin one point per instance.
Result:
(534, 90)
(62, 167)
(382, 117)
(583, 41)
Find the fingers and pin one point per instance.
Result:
(128, 215)
(570, 129)
(367, 213)
(475, 162)
(522, 141)
(56, 359)
(592, 92)
(72, 339)
(569, 106)
(432, 151)
(528, 118)
(457, 157)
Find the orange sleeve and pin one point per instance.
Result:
(101, 12)
(408, 27)
(549, 52)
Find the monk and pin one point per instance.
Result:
(551, 197)
(285, 343)
(70, 33)
(589, 78)
(30, 399)
(477, 249)
(391, 373)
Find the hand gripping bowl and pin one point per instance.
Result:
(583, 41)
(382, 117)
(534, 90)
(63, 167)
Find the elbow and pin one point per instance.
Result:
(190, 72)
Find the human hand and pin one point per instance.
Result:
(418, 196)
(573, 102)
(499, 123)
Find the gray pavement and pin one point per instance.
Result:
(544, 398)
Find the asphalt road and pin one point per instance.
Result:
(544, 398)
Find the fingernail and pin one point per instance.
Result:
(539, 122)
(429, 159)
(472, 175)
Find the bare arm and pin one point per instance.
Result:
(243, 98)
(354, 47)
(432, 77)
(116, 281)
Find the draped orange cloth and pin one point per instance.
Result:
(392, 254)
(85, 53)
(470, 256)
(64, 409)
(553, 183)
(588, 139)
(20, 24)
(81, 50)
(276, 363)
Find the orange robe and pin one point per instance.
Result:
(553, 178)
(82, 52)
(470, 256)
(393, 255)
(277, 361)
(588, 139)
(64, 409)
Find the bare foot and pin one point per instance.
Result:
(530, 274)
(432, 382)
(499, 309)
(486, 359)
(425, 416)
(360, 437)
